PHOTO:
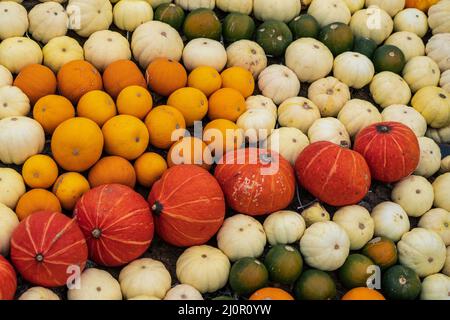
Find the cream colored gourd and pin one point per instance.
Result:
(278, 83)
(240, 6)
(421, 72)
(204, 52)
(354, 5)
(358, 114)
(444, 82)
(392, 7)
(129, 14)
(285, 10)
(183, 292)
(96, 284)
(13, 102)
(373, 23)
(435, 287)
(299, 113)
(438, 17)
(325, 246)
(241, 236)
(257, 124)
(391, 221)
(19, 52)
(329, 129)
(430, 157)
(61, 50)
(410, 44)
(414, 194)
(434, 105)
(438, 49)
(446, 269)
(284, 227)
(288, 142)
(47, 21)
(441, 187)
(261, 102)
(437, 220)
(8, 223)
(411, 20)
(20, 138)
(315, 213)
(12, 187)
(38, 293)
(13, 20)
(196, 4)
(407, 116)
(155, 39)
(423, 251)
(310, 59)
(204, 267)
(329, 11)
(388, 88)
(441, 135)
(248, 55)
(445, 165)
(89, 16)
(330, 95)
(144, 297)
(156, 3)
(6, 78)
(353, 69)
(358, 224)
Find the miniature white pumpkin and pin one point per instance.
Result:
(61, 50)
(438, 17)
(444, 83)
(241, 236)
(299, 113)
(204, 52)
(261, 102)
(285, 10)
(183, 292)
(329, 129)
(13, 20)
(353, 69)
(240, 6)
(129, 14)
(446, 269)
(411, 20)
(445, 165)
(423, 251)
(430, 158)
(257, 124)
(145, 277)
(248, 55)
(441, 135)
(392, 7)
(155, 39)
(408, 116)
(315, 213)
(358, 114)
(438, 49)
(414, 194)
(325, 246)
(47, 21)
(420, 72)
(437, 220)
(89, 16)
(284, 227)
(12, 187)
(6, 78)
(441, 187)
(330, 95)
(96, 284)
(13, 102)
(18, 52)
(373, 23)
(354, 5)
(435, 287)
(329, 11)
(279, 83)
(144, 297)
(203, 267)
(410, 44)
(38, 293)
(388, 88)
(391, 221)
(288, 142)
(196, 4)
(310, 59)
(156, 3)
(8, 223)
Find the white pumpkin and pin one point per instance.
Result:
(38, 293)
(444, 82)
(329, 129)
(438, 49)
(410, 44)
(183, 292)
(441, 135)
(288, 142)
(145, 276)
(325, 246)
(261, 102)
(241, 236)
(278, 83)
(435, 287)
(373, 23)
(420, 72)
(310, 59)
(6, 78)
(13, 102)
(257, 124)
(129, 14)
(445, 165)
(96, 284)
(89, 16)
(155, 39)
(329, 11)
(203, 267)
(13, 20)
(285, 10)
(196, 4)
(8, 223)
(156, 3)
(20, 138)
(414, 194)
(248, 55)
(358, 114)
(423, 251)
(441, 187)
(411, 20)
(144, 297)
(392, 7)
(330, 95)
(430, 158)
(315, 213)
(61, 50)
(353, 69)
(438, 17)
(298, 113)
(47, 21)
(437, 220)
(18, 52)
(12, 187)
(408, 116)
(391, 221)
(354, 5)
(388, 88)
(446, 269)
(284, 227)
(204, 52)
(240, 6)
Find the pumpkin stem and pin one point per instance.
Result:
(96, 233)
(383, 128)
(157, 208)
(39, 257)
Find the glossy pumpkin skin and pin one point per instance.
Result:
(52, 110)
(423, 5)
(110, 170)
(238, 26)
(187, 213)
(37, 200)
(116, 222)
(271, 294)
(354, 273)
(248, 275)
(382, 251)
(40, 171)
(170, 13)
(265, 183)
(165, 76)
(42, 258)
(365, 46)
(389, 58)
(315, 285)
(338, 37)
(36, 81)
(391, 150)
(284, 264)
(363, 293)
(202, 23)
(304, 26)
(401, 283)
(274, 37)
(8, 279)
(121, 74)
(161, 123)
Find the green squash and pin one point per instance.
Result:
(238, 26)
(382, 251)
(315, 285)
(202, 23)
(274, 37)
(365, 46)
(304, 26)
(248, 275)
(170, 13)
(355, 271)
(284, 264)
(338, 37)
(389, 58)
(401, 283)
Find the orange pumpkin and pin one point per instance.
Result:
(135, 101)
(69, 187)
(78, 77)
(96, 105)
(271, 294)
(226, 103)
(240, 79)
(149, 168)
(110, 170)
(363, 293)
(206, 79)
(36, 81)
(121, 74)
(37, 200)
(190, 150)
(52, 110)
(40, 171)
(423, 5)
(164, 76)
(162, 123)
(191, 102)
(222, 135)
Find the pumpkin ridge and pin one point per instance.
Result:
(99, 201)
(184, 218)
(125, 241)
(401, 151)
(317, 155)
(59, 234)
(107, 215)
(179, 186)
(110, 253)
(331, 172)
(192, 202)
(28, 253)
(27, 228)
(128, 215)
(65, 249)
(44, 235)
(369, 143)
(184, 234)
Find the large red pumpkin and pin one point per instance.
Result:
(391, 150)
(256, 181)
(8, 280)
(335, 175)
(45, 245)
(188, 206)
(116, 222)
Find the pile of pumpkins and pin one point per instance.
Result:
(82, 128)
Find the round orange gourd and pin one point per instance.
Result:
(50, 111)
(135, 101)
(77, 144)
(149, 168)
(96, 105)
(121, 74)
(363, 293)
(36, 81)
(162, 124)
(37, 200)
(222, 135)
(78, 77)
(240, 79)
(164, 76)
(125, 136)
(191, 102)
(69, 187)
(271, 294)
(190, 150)
(206, 79)
(40, 171)
(111, 170)
(226, 103)
(423, 5)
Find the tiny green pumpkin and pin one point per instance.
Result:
(202, 23)
(365, 46)
(401, 283)
(304, 26)
(238, 26)
(355, 271)
(170, 13)
(284, 264)
(315, 285)
(338, 37)
(248, 275)
(274, 37)
(389, 58)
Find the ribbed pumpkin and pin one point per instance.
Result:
(7, 279)
(110, 170)
(36, 81)
(391, 150)
(116, 222)
(121, 74)
(256, 181)
(188, 206)
(165, 76)
(45, 245)
(335, 175)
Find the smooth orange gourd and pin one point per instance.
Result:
(190, 150)
(149, 168)
(52, 110)
(164, 76)
(121, 74)
(363, 294)
(165, 125)
(191, 102)
(69, 187)
(112, 169)
(271, 294)
(423, 5)
(226, 103)
(36, 81)
(206, 79)
(98, 106)
(40, 171)
(135, 101)
(37, 200)
(240, 79)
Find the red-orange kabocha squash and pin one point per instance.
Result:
(256, 181)
(188, 206)
(8, 280)
(116, 222)
(335, 175)
(45, 245)
(391, 150)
